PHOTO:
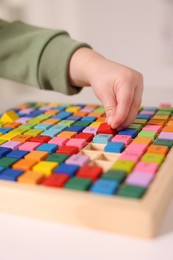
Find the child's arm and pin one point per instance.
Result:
(50, 59)
(37, 56)
(118, 87)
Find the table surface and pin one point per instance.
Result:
(25, 238)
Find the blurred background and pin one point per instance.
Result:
(136, 33)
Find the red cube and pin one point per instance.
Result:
(104, 128)
(87, 136)
(68, 150)
(90, 172)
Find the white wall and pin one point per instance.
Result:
(131, 32)
(136, 33)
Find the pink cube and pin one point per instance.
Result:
(90, 130)
(131, 156)
(126, 139)
(140, 179)
(78, 159)
(80, 143)
(141, 148)
(152, 128)
(29, 146)
(60, 141)
(145, 167)
(12, 144)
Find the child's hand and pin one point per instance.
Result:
(118, 87)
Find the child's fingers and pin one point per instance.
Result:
(124, 100)
(109, 102)
(134, 107)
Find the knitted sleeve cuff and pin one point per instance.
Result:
(54, 64)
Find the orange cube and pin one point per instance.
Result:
(31, 177)
(37, 155)
(158, 149)
(142, 140)
(24, 164)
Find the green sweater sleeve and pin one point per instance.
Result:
(37, 56)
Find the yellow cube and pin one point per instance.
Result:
(153, 158)
(67, 134)
(2, 141)
(95, 124)
(73, 109)
(124, 165)
(9, 117)
(45, 167)
(8, 136)
(33, 132)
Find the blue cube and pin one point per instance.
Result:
(106, 187)
(143, 116)
(131, 132)
(50, 148)
(74, 118)
(102, 138)
(75, 128)
(89, 118)
(5, 130)
(4, 151)
(62, 115)
(66, 168)
(114, 147)
(19, 154)
(51, 132)
(10, 174)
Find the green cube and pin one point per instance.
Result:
(55, 157)
(66, 122)
(131, 191)
(99, 109)
(147, 134)
(82, 123)
(43, 117)
(138, 127)
(165, 142)
(39, 104)
(27, 126)
(80, 184)
(161, 112)
(117, 175)
(140, 121)
(169, 109)
(7, 161)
